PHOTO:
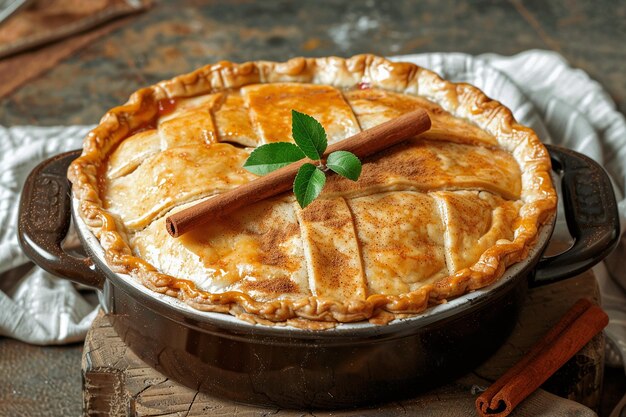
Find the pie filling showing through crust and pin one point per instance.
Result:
(437, 216)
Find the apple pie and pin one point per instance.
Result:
(441, 214)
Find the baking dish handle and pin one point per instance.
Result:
(590, 212)
(44, 219)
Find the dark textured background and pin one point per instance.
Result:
(178, 36)
(175, 37)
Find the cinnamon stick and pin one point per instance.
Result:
(577, 327)
(362, 144)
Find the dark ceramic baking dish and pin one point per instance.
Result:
(350, 365)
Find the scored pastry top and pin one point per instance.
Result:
(431, 218)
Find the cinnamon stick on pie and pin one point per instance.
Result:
(362, 144)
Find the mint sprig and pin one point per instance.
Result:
(308, 184)
(311, 142)
(309, 135)
(270, 157)
(345, 164)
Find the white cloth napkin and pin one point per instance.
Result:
(40, 308)
(562, 104)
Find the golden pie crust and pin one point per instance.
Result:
(437, 216)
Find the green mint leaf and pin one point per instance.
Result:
(308, 184)
(308, 134)
(270, 157)
(345, 164)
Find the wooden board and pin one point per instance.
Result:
(117, 383)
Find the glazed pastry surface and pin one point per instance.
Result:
(430, 218)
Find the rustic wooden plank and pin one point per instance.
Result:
(118, 383)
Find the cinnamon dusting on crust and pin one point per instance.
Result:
(337, 264)
(376, 169)
(271, 251)
(425, 165)
(324, 211)
(338, 271)
(279, 285)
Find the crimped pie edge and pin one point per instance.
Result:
(460, 99)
